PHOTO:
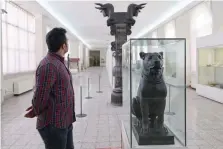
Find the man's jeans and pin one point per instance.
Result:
(55, 138)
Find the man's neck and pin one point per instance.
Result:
(60, 53)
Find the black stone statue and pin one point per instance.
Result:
(149, 104)
(120, 24)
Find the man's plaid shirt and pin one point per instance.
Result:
(53, 100)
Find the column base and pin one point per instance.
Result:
(116, 97)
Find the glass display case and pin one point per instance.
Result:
(210, 67)
(210, 63)
(157, 104)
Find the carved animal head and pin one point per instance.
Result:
(106, 9)
(134, 9)
(152, 63)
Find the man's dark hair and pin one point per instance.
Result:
(55, 39)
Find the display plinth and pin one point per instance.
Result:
(152, 138)
(116, 97)
(212, 93)
(125, 144)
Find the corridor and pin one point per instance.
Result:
(101, 128)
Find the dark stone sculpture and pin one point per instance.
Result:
(120, 24)
(149, 104)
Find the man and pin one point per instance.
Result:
(53, 100)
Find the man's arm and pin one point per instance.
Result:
(45, 78)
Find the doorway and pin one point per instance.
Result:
(94, 58)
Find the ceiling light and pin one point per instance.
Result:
(47, 7)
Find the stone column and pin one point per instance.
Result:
(120, 39)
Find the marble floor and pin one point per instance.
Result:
(101, 127)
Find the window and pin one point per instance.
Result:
(22, 21)
(18, 40)
(4, 58)
(4, 35)
(3, 4)
(200, 25)
(12, 37)
(31, 23)
(12, 15)
(3, 7)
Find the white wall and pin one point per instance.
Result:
(1, 68)
(183, 29)
(109, 64)
(87, 57)
(103, 54)
(80, 53)
(216, 7)
(73, 47)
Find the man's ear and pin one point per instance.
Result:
(142, 55)
(161, 53)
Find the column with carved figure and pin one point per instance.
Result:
(120, 39)
(120, 24)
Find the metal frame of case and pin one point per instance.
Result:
(129, 44)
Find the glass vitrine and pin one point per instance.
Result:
(144, 59)
(210, 66)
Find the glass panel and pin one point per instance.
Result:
(31, 42)
(210, 64)
(12, 37)
(22, 22)
(11, 61)
(5, 63)
(17, 61)
(23, 65)
(31, 23)
(4, 35)
(162, 96)
(32, 61)
(23, 44)
(12, 15)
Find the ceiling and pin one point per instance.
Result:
(90, 24)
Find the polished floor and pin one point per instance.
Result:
(101, 127)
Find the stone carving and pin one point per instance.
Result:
(149, 104)
(120, 24)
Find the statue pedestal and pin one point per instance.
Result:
(153, 138)
(126, 143)
(116, 97)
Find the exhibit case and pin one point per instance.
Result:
(210, 67)
(156, 101)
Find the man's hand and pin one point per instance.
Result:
(30, 113)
